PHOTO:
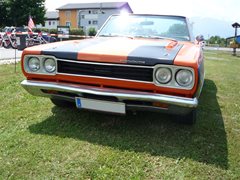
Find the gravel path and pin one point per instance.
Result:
(7, 56)
(9, 61)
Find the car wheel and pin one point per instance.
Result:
(14, 45)
(6, 46)
(62, 103)
(189, 118)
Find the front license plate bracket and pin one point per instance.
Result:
(100, 105)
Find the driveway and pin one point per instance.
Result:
(220, 48)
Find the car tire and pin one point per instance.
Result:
(189, 119)
(63, 103)
(6, 46)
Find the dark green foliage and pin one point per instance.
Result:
(54, 31)
(77, 31)
(92, 31)
(17, 12)
(40, 29)
(217, 40)
(3, 12)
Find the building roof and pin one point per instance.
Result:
(52, 15)
(238, 36)
(104, 5)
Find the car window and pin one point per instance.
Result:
(146, 26)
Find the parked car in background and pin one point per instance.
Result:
(135, 62)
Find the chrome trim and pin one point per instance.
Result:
(173, 83)
(103, 77)
(44, 65)
(36, 87)
(107, 64)
(200, 86)
(42, 70)
(177, 110)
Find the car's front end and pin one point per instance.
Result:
(119, 72)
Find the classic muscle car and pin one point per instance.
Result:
(135, 62)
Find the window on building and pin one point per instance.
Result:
(83, 16)
(89, 12)
(89, 22)
(94, 12)
(49, 23)
(68, 23)
(68, 14)
(53, 22)
(95, 22)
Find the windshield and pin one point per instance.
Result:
(148, 26)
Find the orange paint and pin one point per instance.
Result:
(187, 56)
(68, 16)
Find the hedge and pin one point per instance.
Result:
(74, 31)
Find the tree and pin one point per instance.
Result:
(3, 13)
(217, 40)
(17, 12)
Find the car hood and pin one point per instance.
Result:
(116, 50)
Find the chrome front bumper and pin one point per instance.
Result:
(39, 88)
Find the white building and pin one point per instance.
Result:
(52, 20)
(87, 15)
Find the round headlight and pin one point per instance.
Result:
(34, 64)
(163, 75)
(50, 65)
(184, 77)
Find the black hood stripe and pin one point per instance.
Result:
(152, 55)
(71, 50)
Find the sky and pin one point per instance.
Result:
(227, 10)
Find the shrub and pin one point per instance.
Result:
(53, 31)
(92, 31)
(77, 31)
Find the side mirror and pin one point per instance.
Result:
(199, 38)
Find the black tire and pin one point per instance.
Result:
(53, 39)
(6, 46)
(189, 119)
(63, 103)
(14, 45)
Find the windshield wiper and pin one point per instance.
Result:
(115, 35)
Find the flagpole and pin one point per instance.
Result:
(15, 60)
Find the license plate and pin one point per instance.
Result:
(99, 105)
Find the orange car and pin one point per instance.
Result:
(135, 62)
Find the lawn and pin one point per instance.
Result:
(41, 141)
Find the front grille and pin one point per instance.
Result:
(103, 70)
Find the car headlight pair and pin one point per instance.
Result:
(46, 65)
(165, 75)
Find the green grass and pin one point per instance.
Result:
(41, 141)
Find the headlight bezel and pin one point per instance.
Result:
(178, 81)
(42, 59)
(158, 71)
(45, 66)
(29, 64)
(173, 82)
